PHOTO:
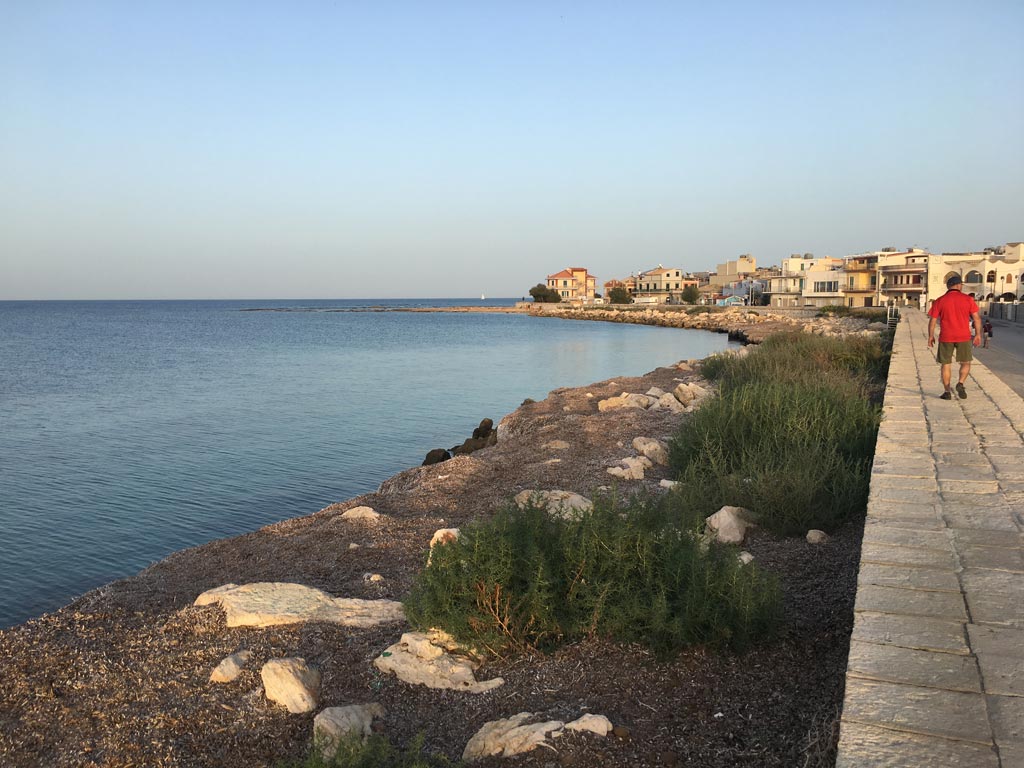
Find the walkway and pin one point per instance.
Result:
(936, 669)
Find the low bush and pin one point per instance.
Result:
(867, 313)
(790, 436)
(631, 571)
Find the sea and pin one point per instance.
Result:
(131, 429)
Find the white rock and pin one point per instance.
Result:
(684, 366)
(440, 536)
(631, 468)
(815, 536)
(373, 578)
(668, 483)
(509, 736)
(590, 395)
(555, 445)
(669, 403)
(267, 604)
(291, 683)
(683, 394)
(427, 658)
(655, 392)
(563, 503)
(353, 546)
(730, 524)
(360, 513)
(230, 667)
(653, 449)
(598, 724)
(745, 558)
(336, 723)
(625, 400)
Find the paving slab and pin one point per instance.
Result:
(880, 532)
(892, 663)
(993, 558)
(918, 632)
(927, 711)
(873, 552)
(1007, 716)
(869, 745)
(910, 602)
(994, 597)
(908, 578)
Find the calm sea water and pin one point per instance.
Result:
(129, 430)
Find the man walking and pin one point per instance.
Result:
(954, 312)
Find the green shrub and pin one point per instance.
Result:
(628, 571)
(790, 436)
(374, 752)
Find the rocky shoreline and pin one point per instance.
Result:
(121, 676)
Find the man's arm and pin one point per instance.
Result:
(931, 330)
(976, 319)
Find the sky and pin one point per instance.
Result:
(197, 149)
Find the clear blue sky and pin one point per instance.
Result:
(255, 149)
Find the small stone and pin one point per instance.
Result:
(335, 723)
(598, 724)
(668, 483)
(563, 503)
(360, 513)
(291, 683)
(653, 449)
(631, 468)
(555, 445)
(621, 732)
(373, 578)
(745, 558)
(815, 536)
(353, 546)
(429, 658)
(729, 524)
(230, 668)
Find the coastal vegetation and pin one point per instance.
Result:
(529, 580)
(790, 438)
(544, 295)
(619, 295)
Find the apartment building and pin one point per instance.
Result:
(573, 284)
(661, 285)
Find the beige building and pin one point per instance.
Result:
(731, 271)
(787, 289)
(991, 275)
(661, 285)
(574, 284)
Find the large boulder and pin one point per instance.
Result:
(470, 445)
(669, 403)
(564, 503)
(270, 603)
(442, 535)
(433, 659)
(509, 736)
(484, 430)
(334, 724)
(515, 735)
(436, 456)
(729, 525)
(291, 683)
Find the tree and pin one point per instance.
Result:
(619, 295)
(691, 294)
(544, 295)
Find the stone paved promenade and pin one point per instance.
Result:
(936, 669)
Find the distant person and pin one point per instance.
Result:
(954, 312)
(986, 328)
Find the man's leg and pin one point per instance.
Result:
(965, 370)
(947, 374)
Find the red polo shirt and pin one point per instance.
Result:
(953, 311)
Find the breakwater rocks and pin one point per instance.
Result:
(747, 324)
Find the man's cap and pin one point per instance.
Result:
(954, 280)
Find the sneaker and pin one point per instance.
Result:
(946, 396)
(961, 392)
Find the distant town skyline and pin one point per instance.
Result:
(238, 150)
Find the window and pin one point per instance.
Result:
(851, 285)
(565, 283)
(826, 286)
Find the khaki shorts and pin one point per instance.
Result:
(964, 352)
